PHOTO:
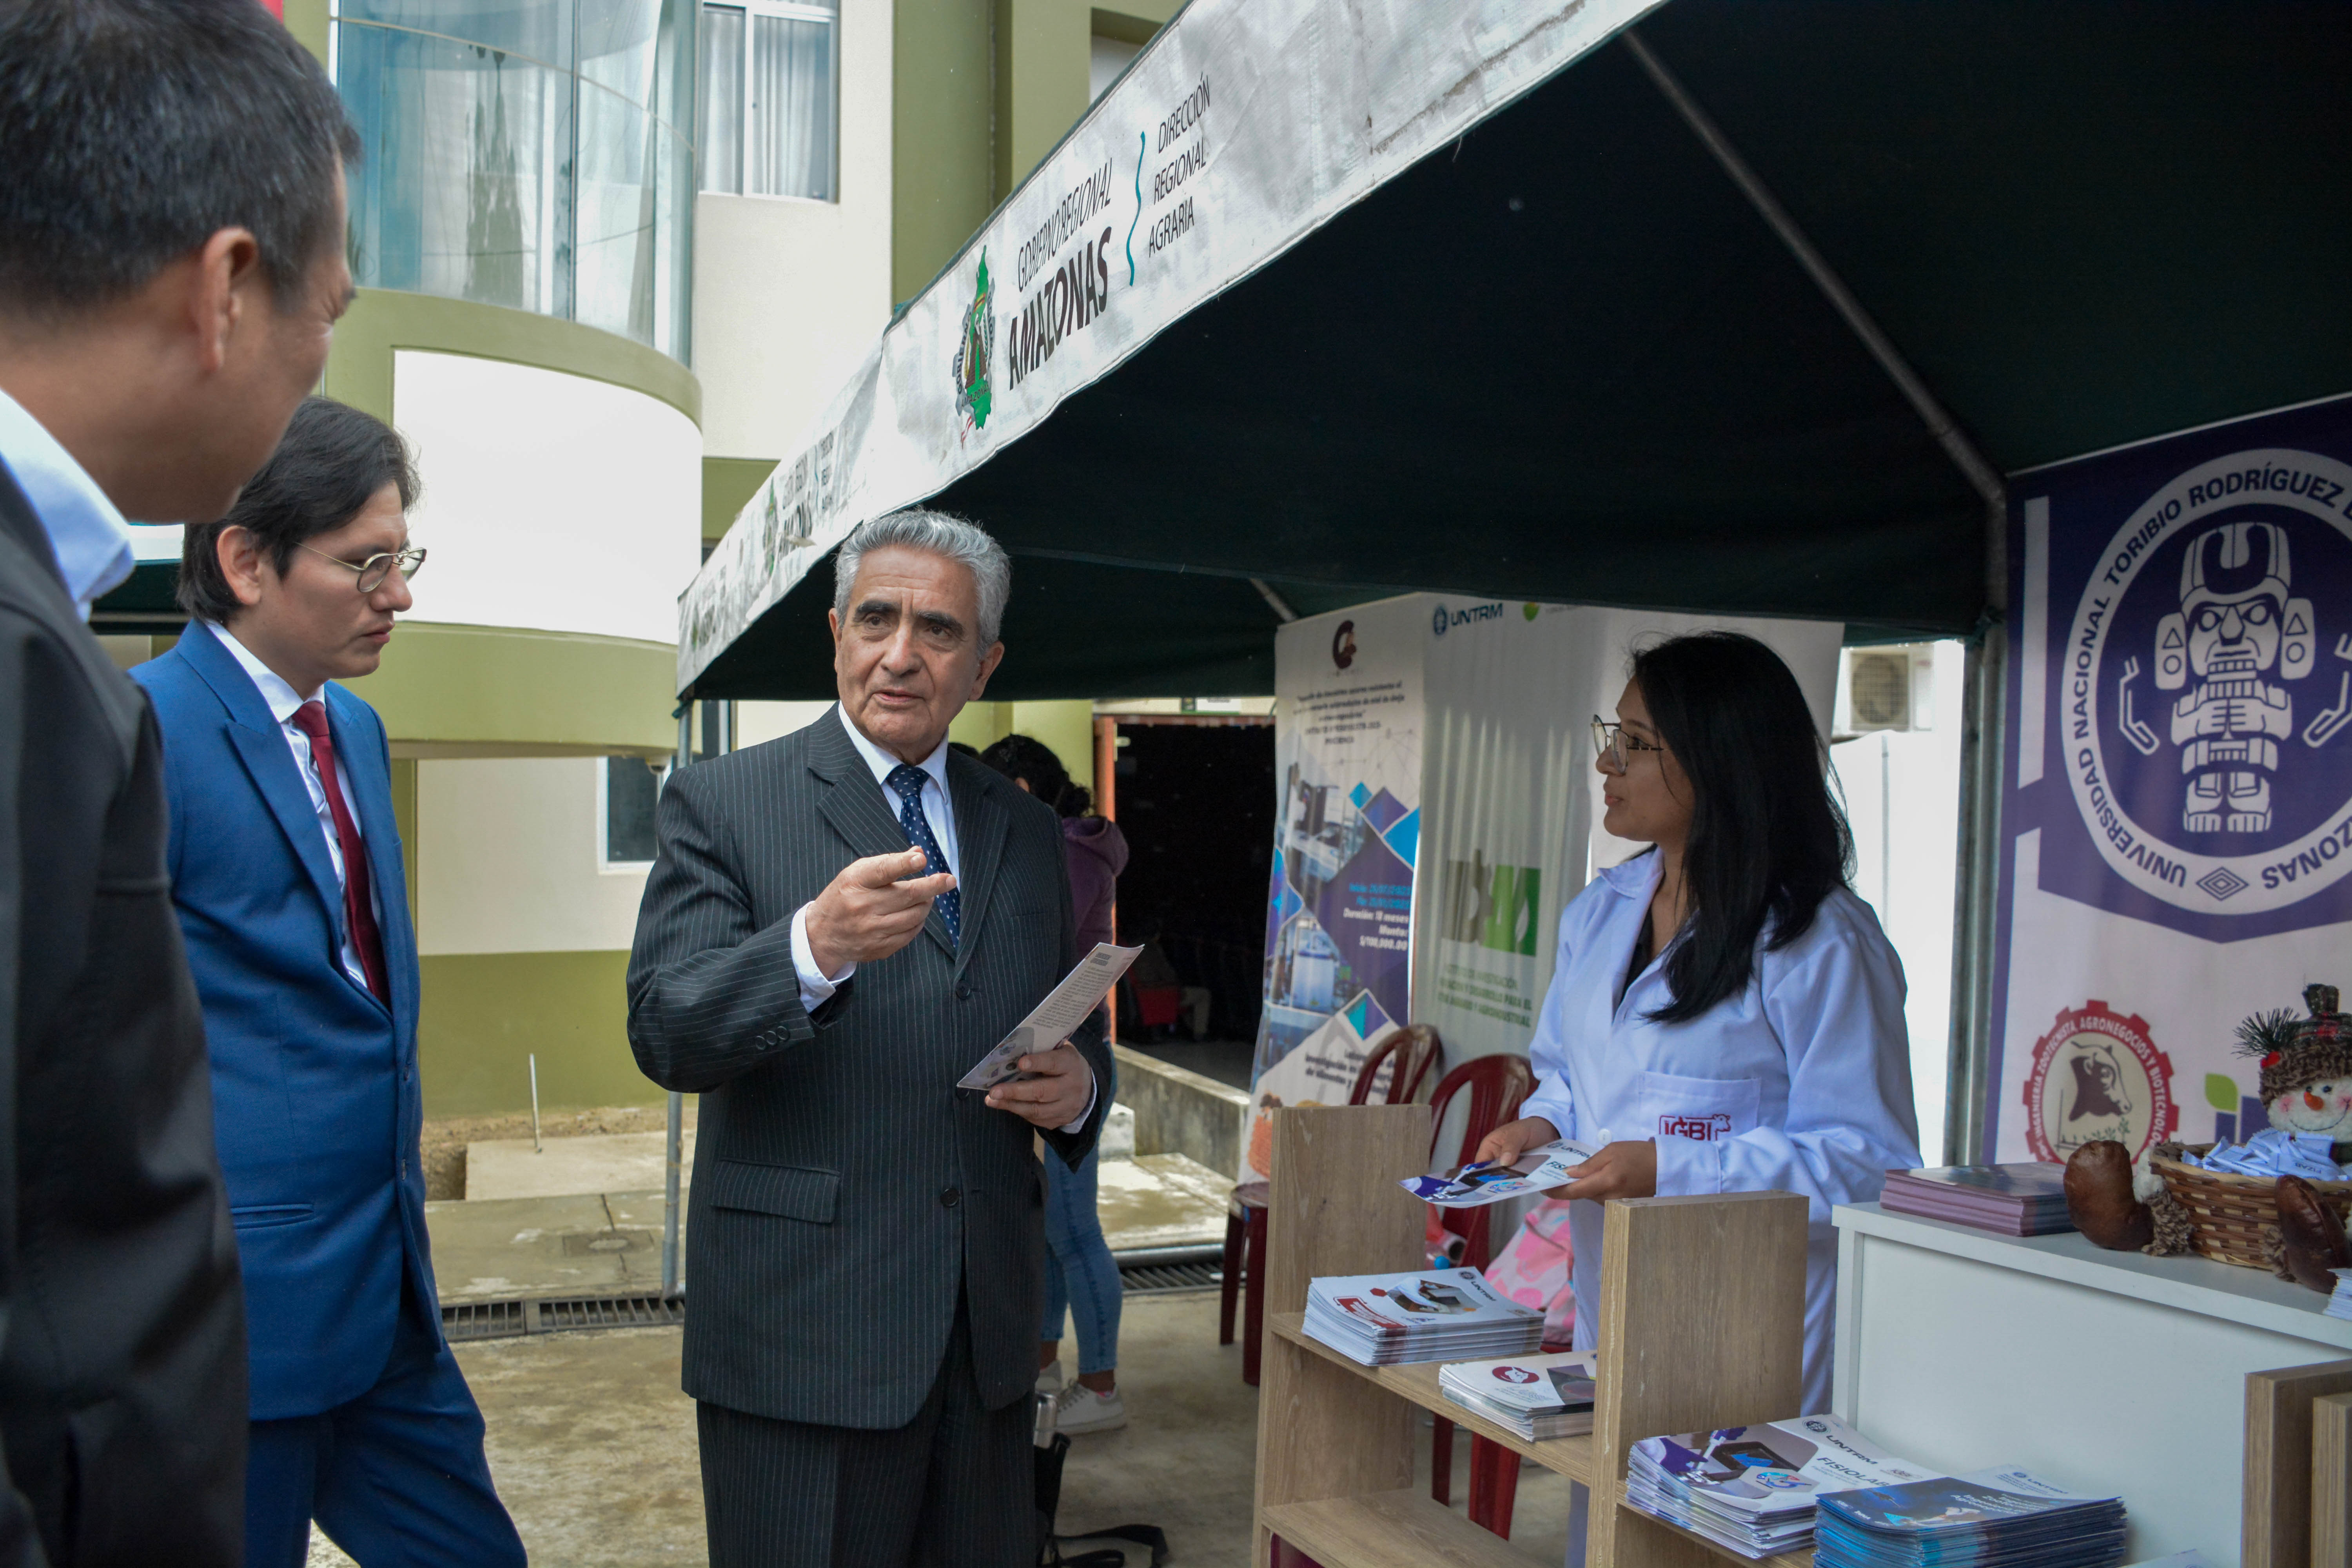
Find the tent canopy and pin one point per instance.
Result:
(1564, 357)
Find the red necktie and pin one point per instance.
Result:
(358, 908)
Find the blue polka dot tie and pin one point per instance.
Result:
(909, 781)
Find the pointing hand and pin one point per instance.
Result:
(872, 910)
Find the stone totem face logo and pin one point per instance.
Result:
(2203, 687)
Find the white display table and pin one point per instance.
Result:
(2103, 1370)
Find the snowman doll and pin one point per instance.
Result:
(2307, 1078)
(2306, 1089)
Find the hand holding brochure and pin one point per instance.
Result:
(1052, 1020)
(1475, 1185)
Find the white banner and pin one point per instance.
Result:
(1244, 126)
(2178, 824)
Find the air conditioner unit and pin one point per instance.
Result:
(1887, 688)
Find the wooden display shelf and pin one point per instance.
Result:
(1391, 1529)
(1784, 1559)
(1700, 1322)
(1417, 1381)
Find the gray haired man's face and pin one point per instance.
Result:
(909, 657)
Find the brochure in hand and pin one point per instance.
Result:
(1382, 1320)
(1051, 1021)
(1538, 1396)
(1755, 1489)
(2028, 1198)
(1988, 1519)
(1475, 1185)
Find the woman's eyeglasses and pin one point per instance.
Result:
(372, 571)
(1613, 743)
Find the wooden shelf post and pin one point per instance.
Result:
(1333, 1207)
(1701, 1324)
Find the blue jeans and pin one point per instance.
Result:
(1080, 1277)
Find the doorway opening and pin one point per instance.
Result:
(1195, 798)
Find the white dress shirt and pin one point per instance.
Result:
(816, 987)
(87, 534)
(282, 700)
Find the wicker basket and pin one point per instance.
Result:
(2235, 1217)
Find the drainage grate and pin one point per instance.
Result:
(1141, 1279)
(507, 1320)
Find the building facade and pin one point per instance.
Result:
(612, 256)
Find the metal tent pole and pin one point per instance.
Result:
(1987, 691)
(676, 1130)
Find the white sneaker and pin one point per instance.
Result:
(1078, 1409)
(1049, 1378)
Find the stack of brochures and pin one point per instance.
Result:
(2027, 1199)
(1989, 1517)
(1382, 1320)
(1755, 1489)
(2339, 1303)
(1538, 1396)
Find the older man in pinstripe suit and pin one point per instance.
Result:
(838, 925)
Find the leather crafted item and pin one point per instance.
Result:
(2312, 1245)
(2099, 1198)
(359, 904)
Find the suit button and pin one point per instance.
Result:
(951, 1196)
(964, 993)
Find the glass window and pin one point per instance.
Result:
(631, 786)
(529, 154)
(770, 99)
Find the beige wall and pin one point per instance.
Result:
(507, 860)
(790, 294)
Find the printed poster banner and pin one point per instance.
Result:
(1440, 807)
(2177, 828)
(1339, 938)
(1243, 127)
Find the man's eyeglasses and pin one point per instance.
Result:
(1613, 743)
(372, 571)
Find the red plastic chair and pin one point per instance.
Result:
(1498, 1086)
(1417, 1052)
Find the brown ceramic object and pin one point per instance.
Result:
(2312, 1244)
(2099, 1198)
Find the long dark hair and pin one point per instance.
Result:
(1768, 839)
(1020, 757)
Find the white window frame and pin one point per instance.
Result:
(788, 11)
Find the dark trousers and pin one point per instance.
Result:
(395, 1477)
(954, 1487)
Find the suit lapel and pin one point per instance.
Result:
(369, 788)
(980, 827)
(261, 744)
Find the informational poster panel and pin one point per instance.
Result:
(1338, 939)
(2178, 821)
(1439, 808)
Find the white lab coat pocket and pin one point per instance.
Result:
(1704, 1110)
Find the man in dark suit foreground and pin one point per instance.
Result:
(170, 265)
(841, 923)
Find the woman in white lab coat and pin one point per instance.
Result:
(1725, 1015)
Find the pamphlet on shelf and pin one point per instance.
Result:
(1051, 1021)
(1475, 1186)
(1538, 1396)
(1755, 1489)
(1445, 1314)
(1998, 1516)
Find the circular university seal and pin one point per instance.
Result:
(2208, 678)
(2098, 1075)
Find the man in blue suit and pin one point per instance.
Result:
(286, 874)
